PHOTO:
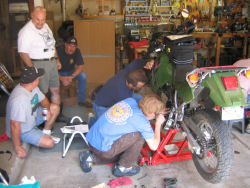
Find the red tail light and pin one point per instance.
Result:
(218, 107)
(230, 82)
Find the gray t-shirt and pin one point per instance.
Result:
(22, 106)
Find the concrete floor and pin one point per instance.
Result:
(53, 171)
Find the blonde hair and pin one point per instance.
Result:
(151, 104)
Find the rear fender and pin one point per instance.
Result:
(202, 98)
(221, 96)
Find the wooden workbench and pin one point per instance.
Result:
(219, 45)
(204, 35)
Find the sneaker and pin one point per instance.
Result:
(48, 132)
(56, 139)
(248, 128)
(86, 161)
(85, 104)
(91, 115)
(120, 171)
(91, 119)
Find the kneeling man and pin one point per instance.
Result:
(119, 134)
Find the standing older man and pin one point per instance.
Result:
(36, 46)
(24, 113)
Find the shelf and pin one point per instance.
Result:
(220, 46)
(223, 35)
(165, 6)
(138, 1)
(136, 6)
(102, 9)
(231, 47)
(138, 15)
(164, 15)
(105, 16)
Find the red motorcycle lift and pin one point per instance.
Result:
(161, 155)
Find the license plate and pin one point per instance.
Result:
(232, 113)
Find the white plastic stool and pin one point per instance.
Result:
(73, 130)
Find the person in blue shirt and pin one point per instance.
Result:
(123, 85)
(119, 134)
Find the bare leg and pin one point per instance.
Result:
(55, 98)
(46, 142)
(55, 95)
(54, 110)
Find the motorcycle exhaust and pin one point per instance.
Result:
(192, 144)
(170, 120)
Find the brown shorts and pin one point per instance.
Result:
(50, 79)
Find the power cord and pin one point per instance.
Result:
(8, 152)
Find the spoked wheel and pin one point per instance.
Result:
(214, 163)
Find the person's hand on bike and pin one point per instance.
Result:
(149, 64)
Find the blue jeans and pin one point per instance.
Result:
(248, 102)
(81, 78)
(99, 110)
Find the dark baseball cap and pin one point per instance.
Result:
(30, 74)
(71, 40)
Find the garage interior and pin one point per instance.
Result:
(106, 30)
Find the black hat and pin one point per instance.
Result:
(71, 40)
(29, 74)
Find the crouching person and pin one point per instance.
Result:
(119, 135)
(24, 113)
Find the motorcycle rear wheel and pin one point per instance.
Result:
(217, 160)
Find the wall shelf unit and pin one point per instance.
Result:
(103, 8)
(219, 45)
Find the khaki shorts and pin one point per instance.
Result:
(50, 79)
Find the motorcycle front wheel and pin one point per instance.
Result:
(214, 164)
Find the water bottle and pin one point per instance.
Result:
(44, 113)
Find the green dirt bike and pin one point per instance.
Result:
(202, 101)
